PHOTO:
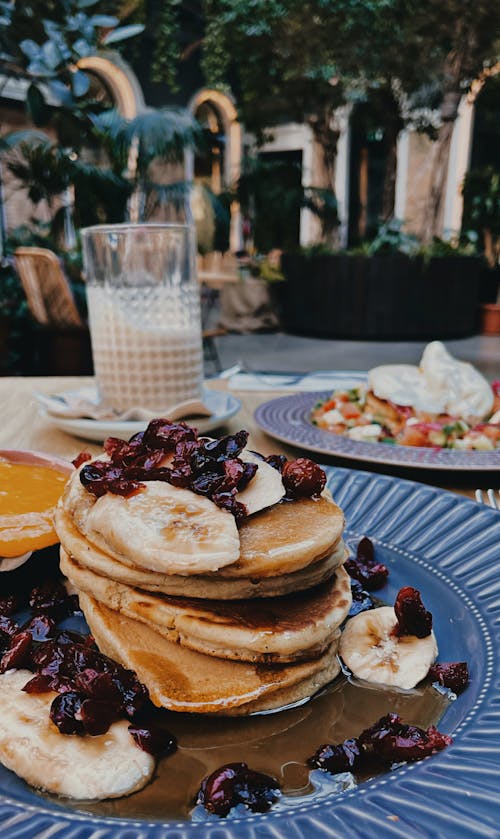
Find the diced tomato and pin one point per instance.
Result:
(490, 430)
(413, 436)
(328, 406)
(350, 411)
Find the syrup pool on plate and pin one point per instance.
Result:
(277, 744)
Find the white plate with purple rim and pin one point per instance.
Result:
(287, 418)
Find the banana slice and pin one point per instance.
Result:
(372, 652)
(164, 528)
(107, 766)
(266, 487)
(10, 563)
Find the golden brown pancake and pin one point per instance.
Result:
(183, 680)
(214, 586)
(280, 629)
(278, 540)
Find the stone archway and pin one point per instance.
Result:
(224, 114)
(121, 81)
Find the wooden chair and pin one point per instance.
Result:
(63, 345)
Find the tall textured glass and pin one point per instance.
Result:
(144, 314)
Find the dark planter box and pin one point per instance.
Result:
(380, 297)
(489, 283)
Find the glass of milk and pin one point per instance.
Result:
(144, 314)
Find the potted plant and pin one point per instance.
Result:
(481, 192)
(390, 288)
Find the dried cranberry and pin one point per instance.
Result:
(18, 653)
(228, 502)
(50, 598)
(413, 618)
(95, 685)
(65, 712)
(342, 758)
(41, 627)
(453, 675)
(39, 684)
(8, 628)
(164, 434)
(277, 461)
(392, 740)
(82, 457)
(361, 600)
(153, 739)
(365, 569)
(98, 715)
(9, 603)
(235, 784)
(302, 478)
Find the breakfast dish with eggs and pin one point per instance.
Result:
(442, 403)
(191, 619)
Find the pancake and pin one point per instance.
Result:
(283, 629)
(215, 586)
(180, 679)
(278, 540)
(161, 527)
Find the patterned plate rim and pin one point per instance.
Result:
(287, 419)
(452, 793)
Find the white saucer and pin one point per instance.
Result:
(223, 407)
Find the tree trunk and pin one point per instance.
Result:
(326, 134)
(439, 170)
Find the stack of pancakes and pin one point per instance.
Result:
(256, 633)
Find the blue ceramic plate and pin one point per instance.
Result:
(446, 546)
(288, 419)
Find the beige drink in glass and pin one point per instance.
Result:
(144, 315)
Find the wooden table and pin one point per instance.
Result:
(23, 427)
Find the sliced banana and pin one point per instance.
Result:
(266, 487)
(164, 528)
(10, 563)
(372, 651)
(107, 766)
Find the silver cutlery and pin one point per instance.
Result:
(491, 498)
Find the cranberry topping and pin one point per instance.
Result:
(40, 627)
(413, 618)
(8, 628)
(361, 600)
(98, 715)
(392, 740)
(235, 784)
(18, 653)
(64, 712)
(153, 739)
(9, 603)
(342, 758)
(82, 457)
(208, 467)
(453, 675)
(365, 569)
(277, 461)
(51, 598)
(302, 478)
(389, 740)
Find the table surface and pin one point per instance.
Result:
(24, 427)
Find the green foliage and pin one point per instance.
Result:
(271, 195)
(391, 238)
(167, 52)
(481, 191)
